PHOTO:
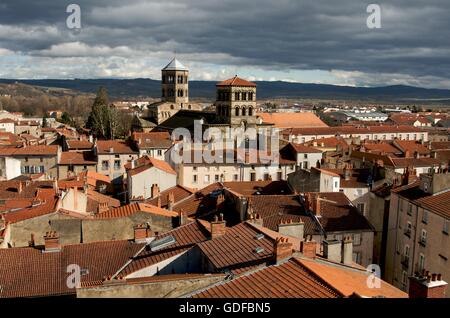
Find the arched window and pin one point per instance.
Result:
(171, 106)
(244, 111)
(237, 111)
(250, 111)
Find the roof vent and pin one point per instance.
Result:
(259, 249)
(259, 236)
(162, 243)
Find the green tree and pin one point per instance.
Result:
(44, 121)
(99, 118)
(66, 119)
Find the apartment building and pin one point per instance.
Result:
(419, 226)
(112, 155)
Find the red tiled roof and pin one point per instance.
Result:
(412, 146)
(77, 158)
(39, 150)
(438, 203)
(28, 272)
(333, 131)
(258, 187)
(146, 140)
(275, 209)
(382, 147)
(287, 280)
(147, 162)
(179, 193)
(79, 144)
(415, 162)
(440, 145)
(186, 237)
(201, 202)
(130, 209)
(329, 142)
(237, 248)
(117, 147)
(338, 214)
(48, 205)
(349, 281)
(292, 120)
(299, 148)
(236, 81)
(14, 189)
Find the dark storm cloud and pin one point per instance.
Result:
(276, 35)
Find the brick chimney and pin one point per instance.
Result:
(155, 190)
(347, 251)
(308, 248)
(102, 207)
(170, 201)
(218, 227)
(141, 233)
(427, 286)
(290, 228)
(51, 240)
(407, 154)
(282, 249)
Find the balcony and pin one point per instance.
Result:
(408, 233)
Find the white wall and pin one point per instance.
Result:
(141, 184)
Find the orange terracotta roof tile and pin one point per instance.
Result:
(292, 120)
(237, 248)
(147, 162)
(236, 81)
(28, 272)
(39, 150)
(349, 281)
(186, 237)
(77, 158)
(113, 147)
(148, 140)
(79, 144)
(286, 280)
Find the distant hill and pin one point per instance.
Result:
(141, 87)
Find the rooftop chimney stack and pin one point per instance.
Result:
(427, 286)
(51, 240)
(294, 229)
(308, 248)
(155, 190)
(332, 250)
(141, 233)
(182, 217)
(347, 251)
(170, 201)
(218, 227)
(282, 249)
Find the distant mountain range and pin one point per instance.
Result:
(141, 87)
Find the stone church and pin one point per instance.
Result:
(174, 93)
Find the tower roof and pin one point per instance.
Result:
(236, 81)
(175, 65)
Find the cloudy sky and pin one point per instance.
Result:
(292, 40)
